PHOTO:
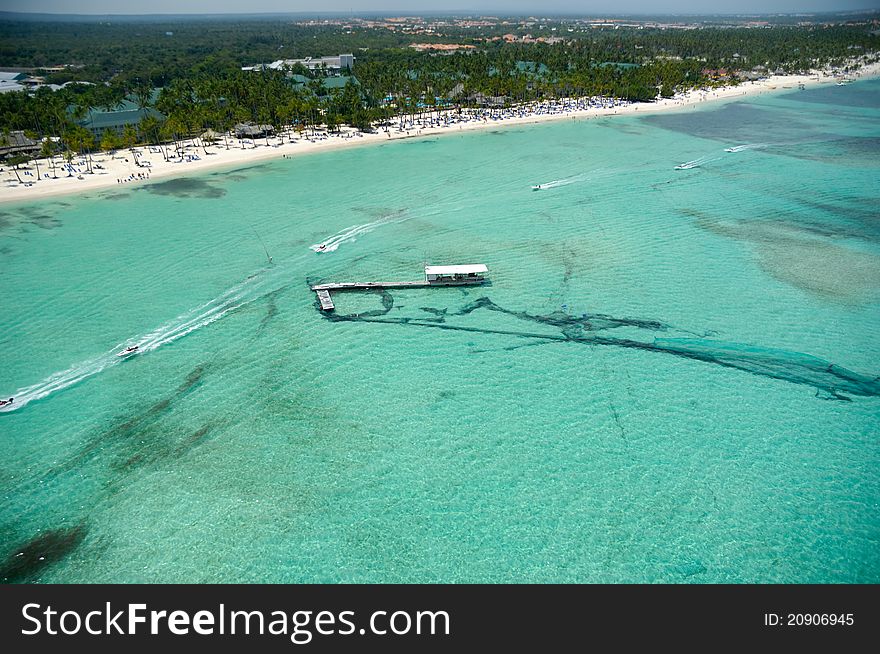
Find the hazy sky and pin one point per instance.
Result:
(485, 6)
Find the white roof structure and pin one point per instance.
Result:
(312, 63)
(11, 86)
(456, 270)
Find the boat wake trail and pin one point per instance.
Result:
(332, 243)
(696, 163)
(747, 146)
(201, 316)
(60, 380)
(561, 182)
(237, 296)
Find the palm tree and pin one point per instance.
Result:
(68, 156)
(200, 119)
(129, 136)
(150, 128)
(166, 134)
(108, 140)
(47, 151)
(142, 94)
(33, 137)
(4, 137)
(16, 161)
(81, 111)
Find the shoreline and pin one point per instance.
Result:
(120, 170)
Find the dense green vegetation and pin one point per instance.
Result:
(197, 66)
(145, 49)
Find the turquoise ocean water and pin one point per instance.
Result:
(671, 378)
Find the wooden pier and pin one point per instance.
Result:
(363, 286)
(458, 276)
(324, 299)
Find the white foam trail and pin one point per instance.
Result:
(332, 243)
(554, 184)
(696, 163)
(59, 381)
(203, 315)
(747, 146)
(564, 182)
(200, 316)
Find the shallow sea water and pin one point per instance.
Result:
(672, 376)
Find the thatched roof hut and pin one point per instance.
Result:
(249, 130)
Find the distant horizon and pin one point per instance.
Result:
(451, 12)
(404, 7)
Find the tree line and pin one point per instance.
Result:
(198, 69)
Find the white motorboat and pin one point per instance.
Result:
(127, 352)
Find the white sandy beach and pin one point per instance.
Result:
(121, 168)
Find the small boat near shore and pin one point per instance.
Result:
(129, 351)
(685, 166)
(537, 187)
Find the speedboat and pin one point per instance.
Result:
(7, 402)
(127, 352)
(684, 166)
(730, 150)
(321, 247)
(537, 187)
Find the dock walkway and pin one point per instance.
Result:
(323, 290)
(468, 275)
(324, 299)
(343, 286)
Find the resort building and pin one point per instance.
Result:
(251, 131)
(481, 100)
(16, 143)
(334, 65)
(126, 113)
(326, 83)
(12, 82)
